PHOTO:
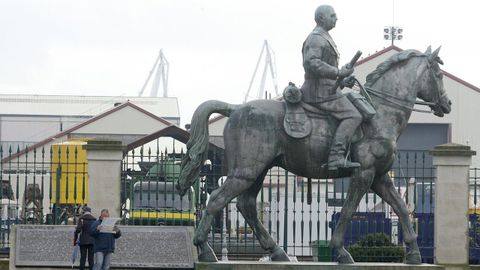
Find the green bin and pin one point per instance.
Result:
(321, 251)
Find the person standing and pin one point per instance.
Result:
(85, 240)
(320, 62)
(104, 244)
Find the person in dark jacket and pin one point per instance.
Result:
(104, 244)
(86, 240)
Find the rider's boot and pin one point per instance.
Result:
(337, 160)
(343, 135)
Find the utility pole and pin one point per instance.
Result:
(269, 65)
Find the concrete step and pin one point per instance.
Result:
(247, 265)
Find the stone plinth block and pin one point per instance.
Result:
(451, 203)
(104, 166)
(138, 247)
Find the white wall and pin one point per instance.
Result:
(32, 128)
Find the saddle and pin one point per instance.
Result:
(297, 124)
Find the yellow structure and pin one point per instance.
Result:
(69, 172)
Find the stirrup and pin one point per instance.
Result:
(341, 163)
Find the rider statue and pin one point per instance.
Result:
(320, 89)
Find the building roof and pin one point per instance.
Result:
(72, 105)
(86, 123)
(170, 131)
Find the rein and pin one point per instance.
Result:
(387, 97)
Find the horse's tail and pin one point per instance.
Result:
(197, 145)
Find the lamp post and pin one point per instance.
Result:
(392, 33)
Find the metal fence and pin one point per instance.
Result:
(41, 186)
(299, 213)
(50, 185)
(474, 216)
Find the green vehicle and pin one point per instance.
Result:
(154, 200)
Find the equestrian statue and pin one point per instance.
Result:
(317, 132)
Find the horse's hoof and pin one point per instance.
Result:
(279, 255)
(413, 258)
(207, 257)
(345, 259)
(206, 253)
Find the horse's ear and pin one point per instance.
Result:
(436, 51)
(434, 55)
(429, 50)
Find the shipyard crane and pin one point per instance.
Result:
(160, 68)
(269, 65)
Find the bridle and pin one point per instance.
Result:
(401, 103)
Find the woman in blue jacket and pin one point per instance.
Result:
(104, 242)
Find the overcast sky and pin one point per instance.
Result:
(108, 47)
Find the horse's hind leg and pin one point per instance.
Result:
(247, 205)
(230, 189)
(359, 185)
(383, 186)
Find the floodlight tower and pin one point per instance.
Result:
(392, 33)
(161, 66)
(269, 64)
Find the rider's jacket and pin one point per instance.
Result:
(320, 62)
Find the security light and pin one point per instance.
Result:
(392, 33)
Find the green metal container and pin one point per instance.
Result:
(321, 251)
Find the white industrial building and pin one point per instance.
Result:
(28, 119)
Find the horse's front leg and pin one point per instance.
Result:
(359, 185)
(383, 186)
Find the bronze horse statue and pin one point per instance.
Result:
(255, 142)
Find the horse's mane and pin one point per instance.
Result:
(389, 63)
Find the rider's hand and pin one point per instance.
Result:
(99, 227)
(345, 71)
(348, 82)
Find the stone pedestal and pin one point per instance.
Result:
(104, 172)
(49, 247)
(451, 204)
(250, 265)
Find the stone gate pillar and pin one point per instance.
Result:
(104, 172)
(451, 204)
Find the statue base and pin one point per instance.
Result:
(253, 265)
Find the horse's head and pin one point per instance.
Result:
(431, 88)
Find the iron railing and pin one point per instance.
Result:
(51, 185)
(41, 186)
(299, 213)
(474, 216)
